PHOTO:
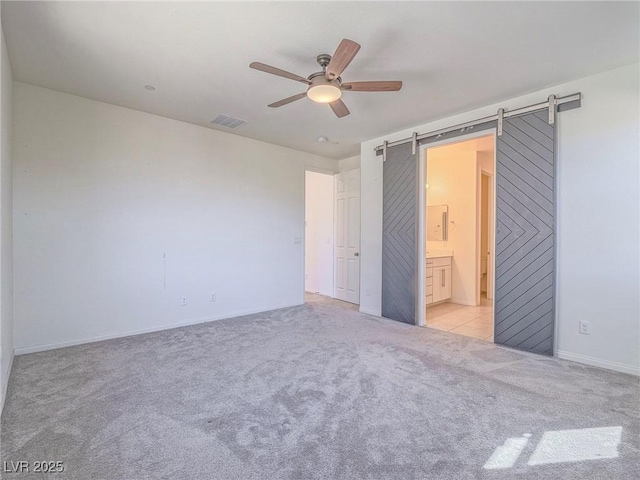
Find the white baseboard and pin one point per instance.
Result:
(596, 362)
(130, 333)
(370, 312)
(5, 382)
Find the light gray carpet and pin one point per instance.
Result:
(312, 392)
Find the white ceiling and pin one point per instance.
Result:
(451, 56)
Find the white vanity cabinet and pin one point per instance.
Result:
(438, 281)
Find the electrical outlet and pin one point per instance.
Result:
(213, 297)
(183, 301)
(585, 327)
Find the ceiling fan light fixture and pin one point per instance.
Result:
(326, 86)
(324, 93)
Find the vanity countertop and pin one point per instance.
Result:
(439, 253)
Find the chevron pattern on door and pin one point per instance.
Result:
(399, 247)
(525, 218)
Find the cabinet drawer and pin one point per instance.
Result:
(429, 281)
(429, 299)
(428, 290)
(440, 262)
(429, 272)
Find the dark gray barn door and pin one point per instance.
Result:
(399, 243)
(525, 218)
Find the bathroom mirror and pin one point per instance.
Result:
(437, 221)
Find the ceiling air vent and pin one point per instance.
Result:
(227, 121)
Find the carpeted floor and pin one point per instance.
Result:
(318, 391)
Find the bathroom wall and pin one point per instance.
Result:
(486, 160)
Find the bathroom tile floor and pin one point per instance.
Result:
(464, 320)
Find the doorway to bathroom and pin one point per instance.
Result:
(458, 212)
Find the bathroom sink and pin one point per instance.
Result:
(439, 253)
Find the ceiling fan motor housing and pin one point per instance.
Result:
(318, 78)
(323, 60)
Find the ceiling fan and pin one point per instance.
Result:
(327, 86)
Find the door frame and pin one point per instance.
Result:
(422, 214)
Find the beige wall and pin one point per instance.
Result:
(486, 160)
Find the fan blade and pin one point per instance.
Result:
(288, 100)
(372, 86)
(339, 108)
(276, 71)
(341, 59)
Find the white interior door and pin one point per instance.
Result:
(347, 242)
